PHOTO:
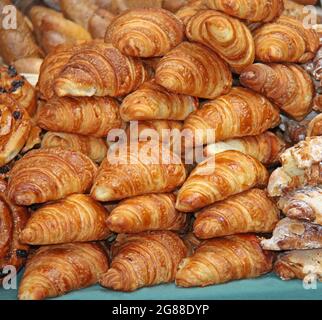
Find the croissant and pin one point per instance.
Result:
(222, 260)
(13, 220)
(227, 36)
(257, 10)
(153, 102)
(127, 172)
(94, 116)
(292, 234)
(28, 65)
(52, 29)
(240, 113)
(301, 166)
(285, 40)
(146, 213)
(145, 32)
(219, 177)
(299, 264)
(18, 88)
(303, 204)
(49, 174)
(56, 270)
(15, 126)
(289, 86)
(144, 260)
(94, 148)
(265, 147)
(100, 69)
(77, 218)
(315, 127)
(188, 11)
(165, 131)
(16, 43)
(251, 211)
(194, 70)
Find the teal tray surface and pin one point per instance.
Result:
(268, 287)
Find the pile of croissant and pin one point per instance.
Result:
(230, 74)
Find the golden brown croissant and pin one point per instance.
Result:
(240, 113)
(285, 40)
(16, 43)
(52, 66)
(256, 10)
(153, 102)
(18, 88)
(299, 264)
(291, 234)
(77, 218)
(56, 270)
(94, 148)
(49, 174)
(251, 211)
(303, 204)
(188, 11)
(265, 147)
(227, 36)
(94, 116)
(99, 69)
(289, 86)
(315, 127)
(13, 220)
(128, 172)
(144, 260)
(223, 175)
(301, 166)
(146, 213)
(15, 125)
(145, 32)
(194, 70)
(52, 29)
(221, 260)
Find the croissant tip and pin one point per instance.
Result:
(35, 293)
(102, 194)
(248, 75)
(27, 236)
(118, 223)
(112, 279)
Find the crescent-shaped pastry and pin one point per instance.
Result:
(255, 10)
(266, 147)
(94, 148)
(227, 36)
(289, 86)
(194, 70)
(52, 29)
(145, 32)
(93, 116)
(99, 69)
(15, 126)
(225, 259)
(285, 40)
(303, 204)
(18, 88)
(219, 177)
(188, 11)
(77, 218)
(250, 211)
(56, 270)
(153, 102)
(147, 213)
(128, 172)
(240, 113)
(49, 174)
(299, 264)
(13, 220)
(144, 260)
(16, 43)
(315, 127)
(291, 234)
(51, 67)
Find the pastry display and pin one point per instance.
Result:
(174, 143)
